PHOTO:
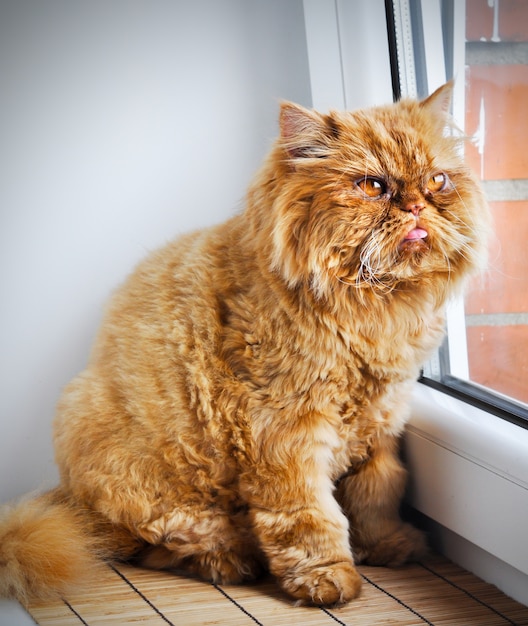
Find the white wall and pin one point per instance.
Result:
(122, 124)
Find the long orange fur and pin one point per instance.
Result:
(242, 405)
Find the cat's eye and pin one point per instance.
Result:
(437, 182)
(372, 187)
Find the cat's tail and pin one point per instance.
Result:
(50, 547)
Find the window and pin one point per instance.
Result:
(484, 44)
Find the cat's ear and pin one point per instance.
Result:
(304, 133)
(440, 100)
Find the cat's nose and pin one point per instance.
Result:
(414, 207)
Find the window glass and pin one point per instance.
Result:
(483, 45)
(496, 117)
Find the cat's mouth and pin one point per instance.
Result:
(415, 234)
(414, 240)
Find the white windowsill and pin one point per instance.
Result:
(469, 473)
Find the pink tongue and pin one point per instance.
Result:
(416, 233)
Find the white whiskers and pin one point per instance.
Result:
(370, 259)
(372, 263)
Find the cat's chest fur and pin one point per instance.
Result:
(300, 367)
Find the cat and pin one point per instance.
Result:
(243, 403)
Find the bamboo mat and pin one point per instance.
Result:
(433, 592)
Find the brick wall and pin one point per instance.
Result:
(497, 117)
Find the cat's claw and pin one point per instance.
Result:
(330, 585)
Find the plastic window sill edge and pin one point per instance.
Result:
(468, 472)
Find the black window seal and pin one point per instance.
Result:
(480, 397)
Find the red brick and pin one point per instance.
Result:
(498, 358)
(504, 91)
(503, 288)
(513, 20)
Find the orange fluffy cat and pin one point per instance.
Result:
(242, 405)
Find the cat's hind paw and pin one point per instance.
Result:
(402, 546)
(328, 585)
(218, 567)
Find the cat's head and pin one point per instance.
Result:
(377, 199)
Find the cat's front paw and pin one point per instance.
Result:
(327, 585)
(405, 544)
